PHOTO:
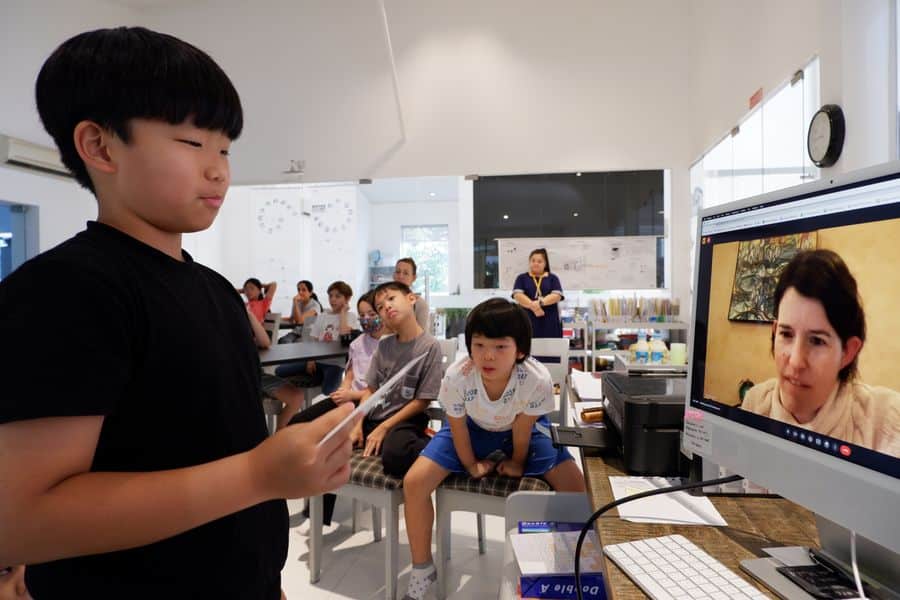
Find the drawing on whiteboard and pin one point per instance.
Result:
(626, 262)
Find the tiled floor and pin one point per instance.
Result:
(353, 565)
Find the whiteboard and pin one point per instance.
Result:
(585, 263)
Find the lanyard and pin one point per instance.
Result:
(537, 284)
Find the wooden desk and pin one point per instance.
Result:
(753, 524)
(301, 351)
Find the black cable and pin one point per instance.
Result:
(590, 522)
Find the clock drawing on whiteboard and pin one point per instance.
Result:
(333, 217)
(274, 215)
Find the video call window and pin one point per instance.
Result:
(822, 363)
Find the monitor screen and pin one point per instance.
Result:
(795, 349)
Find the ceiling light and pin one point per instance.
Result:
(432, 194)
(578, 174)
(505, 216)
(574, 214)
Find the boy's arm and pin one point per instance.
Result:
(345, 392)
(53, 506)
(521, 428)
(260, 335)
(462, 443)
(376, 437)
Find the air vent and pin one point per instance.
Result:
(20, 153)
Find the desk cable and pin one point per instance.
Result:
(587, 526)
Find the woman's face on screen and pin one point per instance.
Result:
(809, 354)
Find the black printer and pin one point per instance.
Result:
(648, 413)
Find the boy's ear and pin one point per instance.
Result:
(411, 297)
(92, 145)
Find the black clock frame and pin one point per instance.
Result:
(835, 141)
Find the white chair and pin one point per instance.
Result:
(556, 349)
(369, 484)
(448, 351)
(487, 495)
(272, 324)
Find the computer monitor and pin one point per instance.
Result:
(765, 398)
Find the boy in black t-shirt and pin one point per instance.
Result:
(139, 467)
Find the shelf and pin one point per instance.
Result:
(641, 325)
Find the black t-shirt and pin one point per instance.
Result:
(163, 350)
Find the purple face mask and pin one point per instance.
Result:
(370, 325)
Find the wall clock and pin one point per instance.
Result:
(274, 214)
(333, 216)
(825, 139)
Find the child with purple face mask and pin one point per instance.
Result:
(360, 352)
(354, 384)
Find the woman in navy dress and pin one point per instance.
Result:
(539, 291)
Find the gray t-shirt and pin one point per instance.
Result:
(423, 382)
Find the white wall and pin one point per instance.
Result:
(29, 32)
(64, 207)
(270, 232)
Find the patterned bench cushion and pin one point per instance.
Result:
(368, 472)
(494, 485)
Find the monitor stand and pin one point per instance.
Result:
(879, 567)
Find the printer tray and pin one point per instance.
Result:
(594, 438)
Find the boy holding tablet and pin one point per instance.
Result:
(140, 466)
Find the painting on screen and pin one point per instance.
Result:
(759, 263)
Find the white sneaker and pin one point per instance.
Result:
(304, 528)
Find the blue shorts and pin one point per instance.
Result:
(542, 456)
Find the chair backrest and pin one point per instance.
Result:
(272, 324)
(448, 351)
(553, 348)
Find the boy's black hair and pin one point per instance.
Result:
(392, 285)
(498, 318)
(111, 76)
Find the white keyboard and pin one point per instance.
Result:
(673, 567)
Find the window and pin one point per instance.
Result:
(559, 205)
(766, 151)
(429, 246)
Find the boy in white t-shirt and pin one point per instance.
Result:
(493, 401)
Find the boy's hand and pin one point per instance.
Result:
(341, 395)
(509, 468)
(374, 441)
(356, 436)
(290, 465)
(481, 468)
